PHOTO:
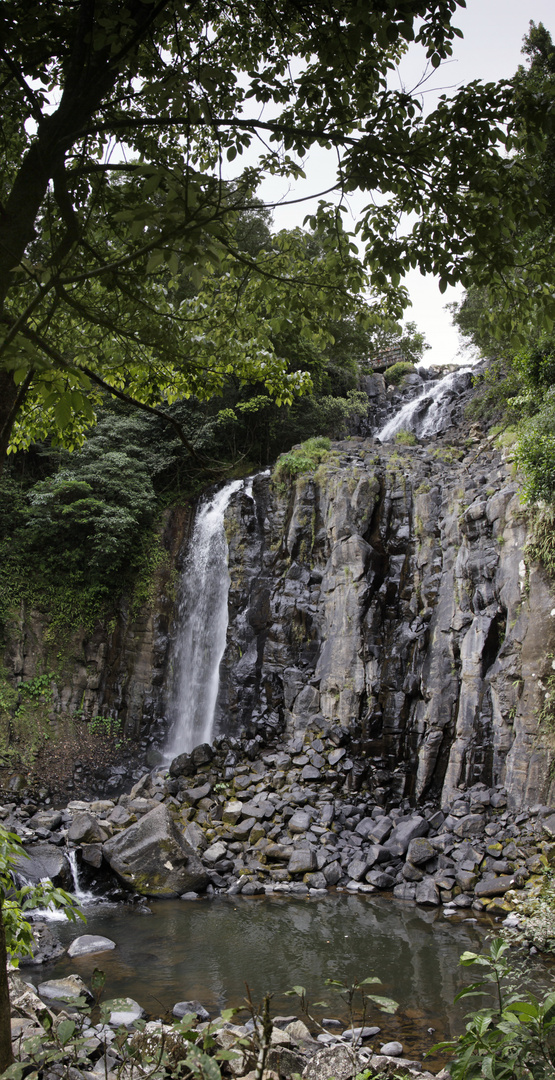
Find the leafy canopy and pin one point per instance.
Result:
(124, 135)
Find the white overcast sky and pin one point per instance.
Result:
(491, 49)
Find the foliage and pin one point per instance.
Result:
(406, 438)
(16, 935)
(301, 459)
(121, 267)
(24, 718)
(515, 1037)
(396, 373)
(541, 546)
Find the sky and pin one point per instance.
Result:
(490, 50)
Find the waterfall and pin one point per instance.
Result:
(82, 895)
(429, 413)
(202, 621)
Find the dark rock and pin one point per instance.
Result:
(380, 879)
(494, 886)
(85, 829)
(420, 851)
(182, 765)
(184, 1008)
(153, 858)
(44, 861)
(202, 755)
(302, 861)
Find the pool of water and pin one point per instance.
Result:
(210, 950)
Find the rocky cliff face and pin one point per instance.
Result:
(388, 593)
(114, 671)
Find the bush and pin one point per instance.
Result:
(396, 373)
(300, 459)
(512, 1040)
(406, 438)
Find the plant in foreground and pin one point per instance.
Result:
(514, 1038)
(16, 935)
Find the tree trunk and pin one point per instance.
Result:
(6, 1054)
(11, 400)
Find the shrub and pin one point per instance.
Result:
(396, 373)
(514, 1039)
(406, 438)
(300, 459)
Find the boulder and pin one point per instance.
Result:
(420, 851)
(202, 755)
(404, 832)
(46, 819)
(380, 879)
(357, 868)
(427, 892)
(215, 852)
(92, 854)
(182, 766)
(333, 873)
(68, 989)
(85, 829)
(90, 943)
(470, 825)
(232, 812)
(494, 886)
(195, 837)
(300, 822)
(302, 861)
(341, 1062)
(44, 861)
(153, 858)
(194, 795)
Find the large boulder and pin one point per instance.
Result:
(85, 829)
(44, 861)
(153, 858)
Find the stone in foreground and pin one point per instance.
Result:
(68, 989)
(123, 1011)
(338, 1061)
(153, 858)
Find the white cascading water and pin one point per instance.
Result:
(203, 619)
(82, 895)
(425, 415)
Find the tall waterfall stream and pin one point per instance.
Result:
(202, 621)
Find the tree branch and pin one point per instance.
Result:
(69, 365)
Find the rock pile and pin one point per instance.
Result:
(286, 821)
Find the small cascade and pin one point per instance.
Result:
(429, 413)
(82, 895)
(202, 619)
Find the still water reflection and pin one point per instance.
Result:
(209, 950)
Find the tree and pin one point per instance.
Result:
(121, 125)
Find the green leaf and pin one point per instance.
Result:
(63, 411)
(65, 1031)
